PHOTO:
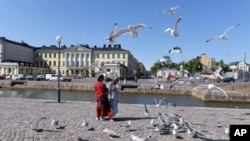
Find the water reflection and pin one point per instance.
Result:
(123, 97)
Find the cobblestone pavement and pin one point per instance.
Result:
(71, 114)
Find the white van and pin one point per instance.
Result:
(51, 77)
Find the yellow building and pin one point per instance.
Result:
(207, 62)
(21, 58)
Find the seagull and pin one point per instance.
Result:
(127, 125)
(101, 66)
(175, 50)
(223, 36)
(171, 10)
(174, 31)
(35, 125)
(114, 35)
(137, 138)
(133, 29)
(110, 132)
(54, 122)
(146, 110)
(85, 123)
(157, 86)
(172, 85)
(227, 130)
(175, 132)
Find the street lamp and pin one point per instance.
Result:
(59, 40)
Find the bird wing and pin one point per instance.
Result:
(176, 7)
(141, 26)
(38, 121)
(120, 32)
(113, 29)
(214, 37)
(156, 102)
(177, 23)
(163, 11)
(228, 29)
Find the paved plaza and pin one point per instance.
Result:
(71, 115)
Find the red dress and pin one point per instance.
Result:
(102, 107)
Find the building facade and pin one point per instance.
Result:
(75, 61)
(206, 61)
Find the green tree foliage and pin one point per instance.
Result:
(194, 65)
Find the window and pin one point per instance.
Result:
(113, 55)
(124, 55)
(55, 55)
(108, 56)
(82, 55)
(49, 63)
(67, 55)
(97, 55)
(118, 56)
(45, 55)
(72, 55)
(50, 55)
(87, 55)
(77, 55)
(67, 63)
(54, 63)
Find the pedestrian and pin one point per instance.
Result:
(113, 98)
(101, 99)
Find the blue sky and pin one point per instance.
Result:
(38, 22)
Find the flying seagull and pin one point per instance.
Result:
(35, 125)
(223, 36)
(174, 31)
(114, 35)
(133, 29)
(171, 10)
(175, 50)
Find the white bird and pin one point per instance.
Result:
(157, 86)
(175, 50)
(175, 132)
(54, 122)
(227, 129)
(85, 123)
(35, 125)
(109, 132)
(114, 35)
(137, 138)
(223, 36)
(133, 29)
(171, 10)
(127, 125)
(174, 31)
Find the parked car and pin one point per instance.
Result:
(18, 77)
(30, 77)
(228, 80)
(66, 78)
(40, 78)
(51, 77)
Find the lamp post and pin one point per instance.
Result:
(59, 40)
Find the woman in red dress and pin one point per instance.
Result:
(102, 106)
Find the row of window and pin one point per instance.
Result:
(70, 63)
(83, 55)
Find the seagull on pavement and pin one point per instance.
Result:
(223, 36)
(174, 31)
(114, 35)
(171, 10)
(109, 132)
(35, 125)
(227, 130)
(127, 125)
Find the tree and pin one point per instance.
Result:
(194, 65)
